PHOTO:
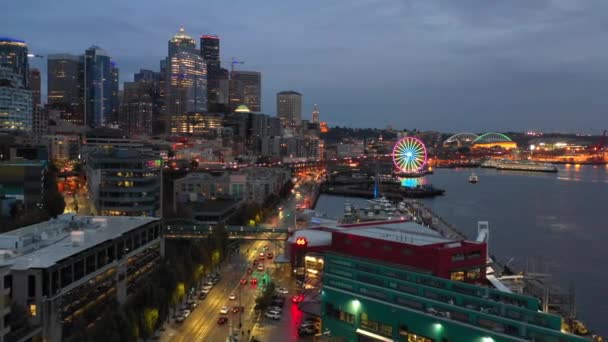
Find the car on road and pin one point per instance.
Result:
(255, 262)
(262, 256)
(266, 248)
(254, 281)
(260, 267)
(306, 329)
(232, 296)
(275, 308)
(269, 255)
(222, 320)
(249, 270)
(297, 298)
(236, 309)
(273, 314)
(282, 290)
(243, 281)
(224, 310)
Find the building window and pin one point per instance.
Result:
(458, 257)
(473, 255)
(33, 310)
(473, 274)
(387, 248)
(457, 276)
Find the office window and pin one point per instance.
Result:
(457, 276)
(473, 274)
(33, 310)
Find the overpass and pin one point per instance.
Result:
(187, 229)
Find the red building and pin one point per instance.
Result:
(402, 243)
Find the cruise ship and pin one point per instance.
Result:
(518, 165)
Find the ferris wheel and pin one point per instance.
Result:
(409, 154)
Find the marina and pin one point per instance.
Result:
(550, 225)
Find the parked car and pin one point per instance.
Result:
(260, 267)
(249, 270)
(273, 314)
(254, 281)
(282, 290)
(192, 304)
(222, 320)
(243, 281)
(180, 318)
(236, 309)
(202, 295)
(186, 313)
(275, 308)
(270, 256)
(224, 310)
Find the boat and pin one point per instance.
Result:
(473, 178)
(519, 165)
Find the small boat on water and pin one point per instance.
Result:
(473, 178)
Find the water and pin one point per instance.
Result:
(553, 223)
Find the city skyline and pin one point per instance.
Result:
(474, 67)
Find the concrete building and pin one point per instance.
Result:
(98, 87)
(13, 55)
(246, 89)
(366, 300)
(63, 270)
(186, 82)
(350, 149)
(15, 103)
(289, 108)
(263, 182)
(124, 182)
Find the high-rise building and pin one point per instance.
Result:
(186, 81)
(115, 97)
(13, 55)
(210, 50)
(289, 107)
(65, 86)
(35, 87)
(315, 114)
(15, 102)
(98, 85)
(40, 120)
(146, 75)
(246, 89)
(137, 108)
(124, 182)
(181, 40)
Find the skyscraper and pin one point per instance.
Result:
(137, 107)
(115, 98)
(186, 81)
(210, 50)
(179, 41)
(315, 114)
(98, 85)
(35, 87)
(246, 88)
(15, 102)
(65, 85)
(289, 107)
(13, 55)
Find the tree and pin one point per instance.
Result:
(54, 203)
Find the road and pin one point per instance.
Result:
(202, 324)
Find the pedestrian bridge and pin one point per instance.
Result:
(187, 229)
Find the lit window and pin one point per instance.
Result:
(33, 310)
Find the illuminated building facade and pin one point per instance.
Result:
(137, 108)
(186, 81)
(246, 89)
(365, 300)
(289, 108)
(13, 55)
(124, 182)
(98, 87)
(65, 83)
(15, 102)
(197, 123)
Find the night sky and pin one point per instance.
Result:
(445, 65)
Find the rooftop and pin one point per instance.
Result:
(289, 92)
(395, 231)
(44, 244)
